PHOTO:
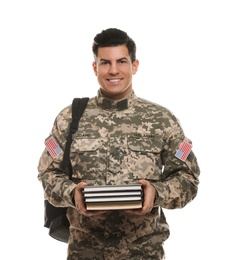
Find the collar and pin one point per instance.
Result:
(112, 104)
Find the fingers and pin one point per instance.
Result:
(149, 193)
(79, 202)
(140, 212)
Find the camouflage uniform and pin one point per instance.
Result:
(120, 142)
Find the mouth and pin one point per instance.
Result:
(114, 81)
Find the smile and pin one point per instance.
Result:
(114, 80)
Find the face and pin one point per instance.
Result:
(114, 71)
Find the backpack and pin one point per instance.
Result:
(55, 217)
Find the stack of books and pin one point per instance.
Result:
(113, 197)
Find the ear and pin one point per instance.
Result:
(135, 66)
(94, 68)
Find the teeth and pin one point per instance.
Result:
(114, 80)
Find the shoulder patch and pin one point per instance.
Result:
(183, 151)
(52, 147)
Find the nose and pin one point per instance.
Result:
(113, 68)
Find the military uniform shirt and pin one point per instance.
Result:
(120, 142)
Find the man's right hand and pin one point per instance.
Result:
(79, 202)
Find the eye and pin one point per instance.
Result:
(103, 62)
(122, 61)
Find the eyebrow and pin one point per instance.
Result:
(123, 58)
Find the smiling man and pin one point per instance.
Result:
(122, 139)
(114, 69)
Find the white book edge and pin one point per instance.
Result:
(112, 188)
(108, 199)
(113, 193)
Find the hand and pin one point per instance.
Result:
(149, 193)
(79, 202)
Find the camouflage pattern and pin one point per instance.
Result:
(120, 142)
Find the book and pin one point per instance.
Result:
(116, 193)
(114, 205)
(114, 198)
(126, 187)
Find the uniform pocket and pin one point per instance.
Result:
(144, 156)
(84, 156)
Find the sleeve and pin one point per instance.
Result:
(58, 188)
(180, 177)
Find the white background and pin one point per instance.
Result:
(185, 54)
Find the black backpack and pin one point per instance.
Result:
(55, 217)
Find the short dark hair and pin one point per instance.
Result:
(114, 37)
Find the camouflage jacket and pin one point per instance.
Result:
(120, 142)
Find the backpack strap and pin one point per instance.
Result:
(78, 108)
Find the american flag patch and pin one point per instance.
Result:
(52, 147)
(183, 151)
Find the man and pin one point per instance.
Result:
(122, 139)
